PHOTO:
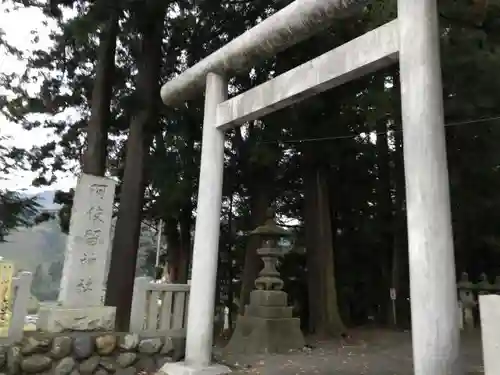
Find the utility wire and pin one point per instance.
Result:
(480, 120)
(467, 122)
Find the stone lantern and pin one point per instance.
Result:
(267, 325)
(270, 235)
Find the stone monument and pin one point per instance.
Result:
(80, 305)
(267, 325)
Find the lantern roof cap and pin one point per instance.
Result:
(269, 228)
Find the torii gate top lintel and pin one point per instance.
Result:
(296, 22)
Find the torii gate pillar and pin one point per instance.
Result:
(433, 292)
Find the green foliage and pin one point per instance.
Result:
(16, 211)
(45, 285)
(55, 270)
(65, 199)
(333, 129)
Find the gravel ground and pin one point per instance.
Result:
(370, 352)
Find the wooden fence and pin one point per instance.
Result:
(159, 308)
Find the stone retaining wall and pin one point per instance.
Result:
(85, 354)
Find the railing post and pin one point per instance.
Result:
(460, 315)
(21, 286)
(138, 310)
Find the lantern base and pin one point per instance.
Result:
(261, 335)
(267, 326)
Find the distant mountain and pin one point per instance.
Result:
(29, 247)
(46, 200)
(42, 246)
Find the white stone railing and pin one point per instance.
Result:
(20, 295)
(159, 308)
(468, 297)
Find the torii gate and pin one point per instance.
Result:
(413, 39)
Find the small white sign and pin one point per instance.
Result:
(393, 293)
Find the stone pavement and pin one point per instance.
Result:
(368, 352)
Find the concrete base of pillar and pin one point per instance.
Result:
(59, 318)
(181, 368)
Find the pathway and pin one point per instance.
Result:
(370, 352)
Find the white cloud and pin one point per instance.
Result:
(18, 26)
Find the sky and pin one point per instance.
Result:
(17, 26)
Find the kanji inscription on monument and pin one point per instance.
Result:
(87, 251)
